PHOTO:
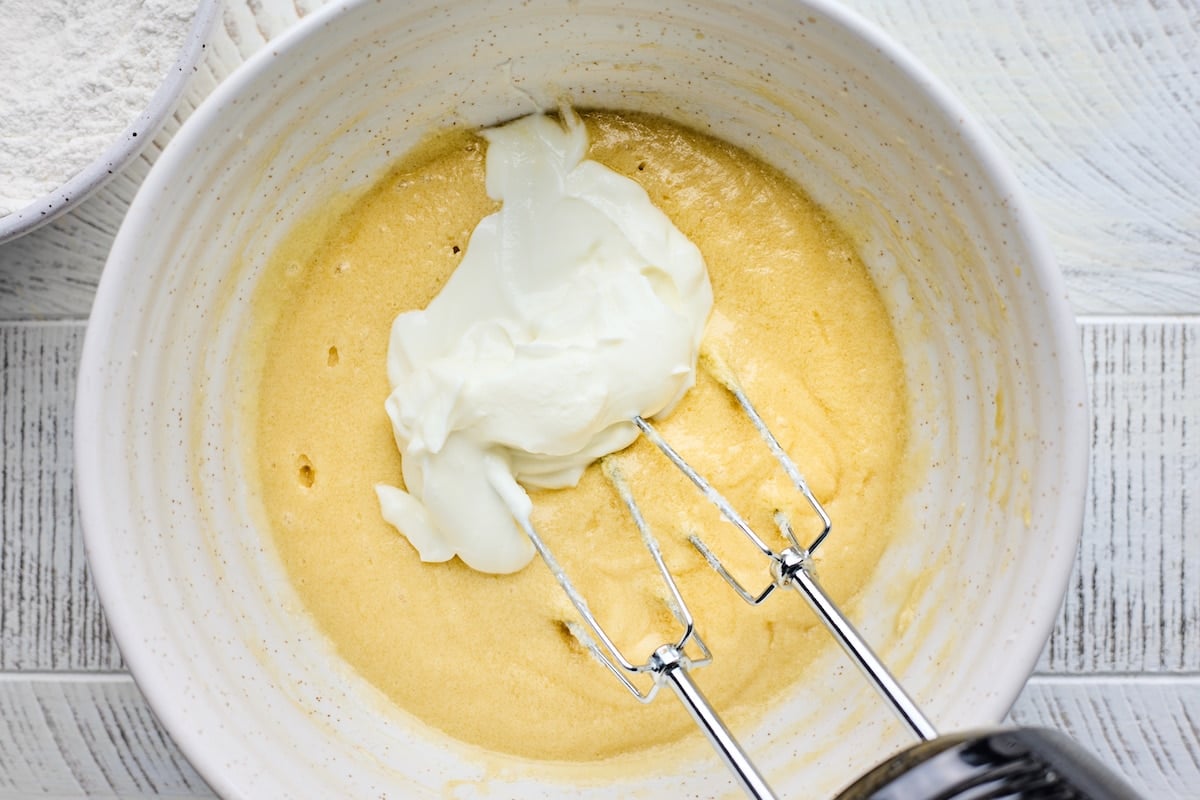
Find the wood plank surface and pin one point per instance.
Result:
(1146, 729)
(1134, 599)
(86, 736)
(1095, 105)
(95, 737)
(50, 615)
(1133, 604)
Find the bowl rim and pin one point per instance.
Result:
(129, 143)
(90, 458)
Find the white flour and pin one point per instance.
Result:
(73, 75)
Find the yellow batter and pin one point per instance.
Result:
(485, 658)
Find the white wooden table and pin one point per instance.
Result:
(1097, 105)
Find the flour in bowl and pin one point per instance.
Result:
(73, 75)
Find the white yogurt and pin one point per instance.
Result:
(577, 306)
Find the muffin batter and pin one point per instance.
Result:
(487, 658)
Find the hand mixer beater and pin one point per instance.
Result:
(1029, 763)
(670, 662)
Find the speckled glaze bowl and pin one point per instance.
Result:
(131, 141)
(200, 606)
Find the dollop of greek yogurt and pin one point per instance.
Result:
(576, 306)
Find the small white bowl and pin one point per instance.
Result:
(140, 132)
(195, 595)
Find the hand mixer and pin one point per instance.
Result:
(1032, 763)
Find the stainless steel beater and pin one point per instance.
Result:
(792, 566)
(1027, 763)
(670, 663)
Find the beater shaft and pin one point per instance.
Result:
(857, 648)
(748, 777)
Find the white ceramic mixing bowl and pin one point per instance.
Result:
(200, 606)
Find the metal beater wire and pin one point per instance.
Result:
(793, 565)
(669, 664)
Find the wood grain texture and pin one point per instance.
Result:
(1094, 103)
(50, 616)
(91, 737)
(95, 737)
(1144, 728)
(1134, 598)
